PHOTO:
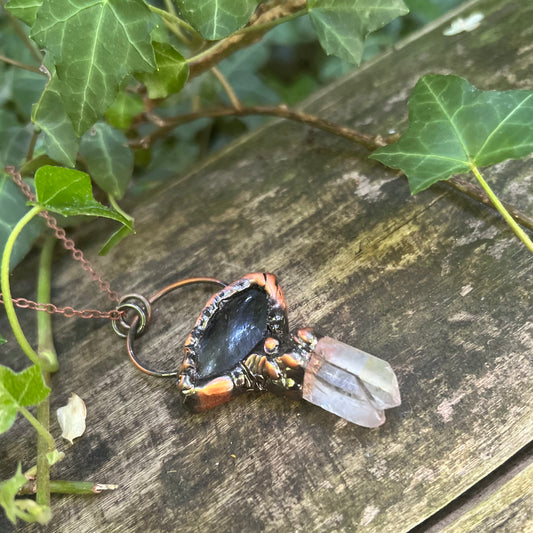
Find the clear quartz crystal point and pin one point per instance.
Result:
(350, 383)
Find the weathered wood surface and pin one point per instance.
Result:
(508, 510)
(435, 284)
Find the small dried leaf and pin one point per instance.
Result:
(71, 418)
(460, 24)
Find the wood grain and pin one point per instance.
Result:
(435, 284)
(509, 510)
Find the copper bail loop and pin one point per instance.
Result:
(143, 313)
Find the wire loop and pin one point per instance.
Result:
(134, 331)
(143, 313)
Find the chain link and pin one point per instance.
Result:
(77, 255)
(69, 312)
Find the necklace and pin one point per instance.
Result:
(241, 342)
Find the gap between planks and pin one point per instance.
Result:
(478, 493)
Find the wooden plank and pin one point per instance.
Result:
(509, 510)
(481, 492)
(436, 284)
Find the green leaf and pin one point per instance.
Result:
(95, 44)
(453, 125)
(342, 25)
(27, 88)
(171, 72)
(10, 43)
(69, 192)
(8, 491)
(54, 457)
(30, 167)
(14, 139)
(25, 10)
(216, 19)
(19, 390)
(25, 509)
(123, 110)
(109, 158)
(60, 140)
(2, 340)
(12, 208)
(30, 511)
(120, 234)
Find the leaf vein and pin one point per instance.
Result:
(64, 188)
(85, 102)
(509, 115)
(445, 111)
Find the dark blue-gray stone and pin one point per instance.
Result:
(232, 333)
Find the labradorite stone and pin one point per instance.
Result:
(233, 332)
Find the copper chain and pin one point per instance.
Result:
(69, 312)
(77, 254)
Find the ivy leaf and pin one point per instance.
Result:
(12, 208)
(109, 158)
(216, 19)
(342, 25)
(14, 139)
(60, 141)
(95, 44)
(170, 75)
(123, 110)
(118, 236)
(8, 491)
(69, 192)
(30, 167)
(19, 390)
(25, 10)
(25, 509)
(453, 125)
(26, 89)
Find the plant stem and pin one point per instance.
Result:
(80, 487)
(368, 141)
(24, 66)
(69, 487)
(117, 208)
(22, 34)
(31, 147)
(47, 352)
(227, 88)
(173, 20)
(476, 193)
(520, 233)
(43, 447)
(258, 29)
(170, 7)
(265, 26)
(6, 290)
(45, 340)
(41, 430)
(248, 35)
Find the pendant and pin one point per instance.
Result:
(241, 342)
